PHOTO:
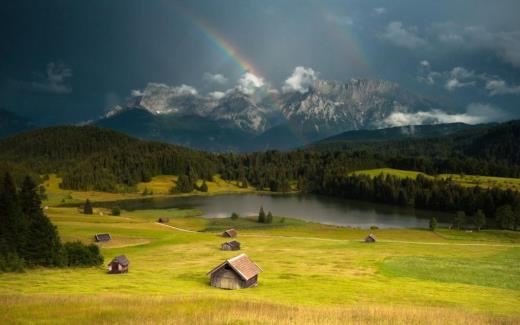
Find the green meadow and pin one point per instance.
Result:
(462, 179)
(312, 274)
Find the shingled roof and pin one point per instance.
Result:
(242, 265)
(230, 233)
(121, 260)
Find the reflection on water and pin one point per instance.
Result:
(327, 210)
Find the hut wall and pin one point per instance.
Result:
(227, 279)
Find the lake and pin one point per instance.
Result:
(316, 208)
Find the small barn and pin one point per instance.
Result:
(236, 273)
(230, 233)
(118, 265)
(370, 239)
(230, 246)
(102, 238)
(164, 220)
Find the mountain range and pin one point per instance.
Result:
(238, 121)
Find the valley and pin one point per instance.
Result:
(311, 272)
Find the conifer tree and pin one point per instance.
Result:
(12, 224)
(261, 215)
(479, 219)
(87, 208)
(204, 186)
(433, 223)
(43, 246)
(269, 218)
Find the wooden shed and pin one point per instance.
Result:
(370, 239)
(230, 246)
(236, 273)
(230, 233)
(102, 238)
(163, 220)
(118, 265)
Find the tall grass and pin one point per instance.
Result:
(124, 309)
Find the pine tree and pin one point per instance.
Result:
(204, 186)
(43, 246)
(184, 185)
(479, 219)
(433, 223)
(87, 208)
(269, 218)
(12, 224)
(261, 215)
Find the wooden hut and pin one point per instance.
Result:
(118, 265)
(370, 239)
(236, 273)
(102, 238)
(230, 233)
(230, 246)
(164, 220)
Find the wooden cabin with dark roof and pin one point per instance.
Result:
(118, 265)
(230, 233)
(370, 239)
(236, 273)
(102, 238)
(230, 246)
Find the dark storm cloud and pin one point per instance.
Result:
(112, 47)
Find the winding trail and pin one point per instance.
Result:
(350, 240)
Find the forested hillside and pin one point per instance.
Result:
(89, 158)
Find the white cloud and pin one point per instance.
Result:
(249, 83)
(157, 97)
(216, 78)
(217, 94)
(300, 80)
(399, 35)
(380, 10)
(55, 79)
(475, 113)
(426, 74)
(459, 77)
(500, 87)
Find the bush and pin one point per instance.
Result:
(234, 216)
(282, 220)
(87, 208)
(116, 211)
(78, 254)
(374, 227)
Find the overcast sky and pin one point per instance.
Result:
(69, 61)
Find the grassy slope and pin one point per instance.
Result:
(160, 185)
(312, 274)
(465, 180)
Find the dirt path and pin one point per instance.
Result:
(351, 240)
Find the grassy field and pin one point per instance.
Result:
(159, 186)
(312, 274)
(464, 180)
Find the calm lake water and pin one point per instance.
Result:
(322, 209)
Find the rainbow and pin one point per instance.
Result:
(232, 53)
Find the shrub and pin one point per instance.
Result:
(78, 254)
(116, 211)
(234, 216)
(374, 227)
(87, 208)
